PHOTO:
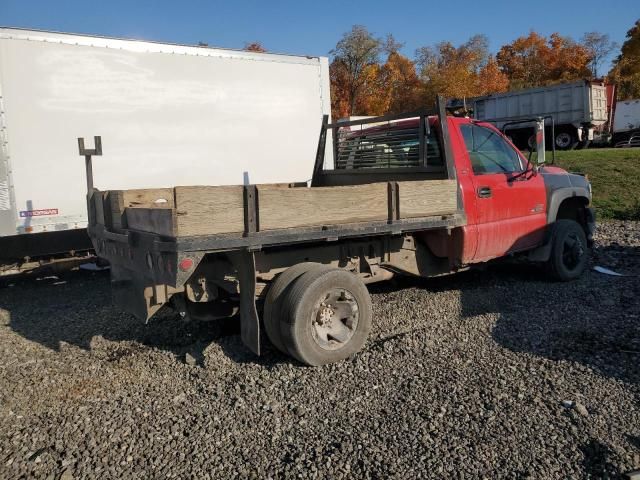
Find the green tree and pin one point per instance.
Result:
(626, 69)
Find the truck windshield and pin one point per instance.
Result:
(393, 147)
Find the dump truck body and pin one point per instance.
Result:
(575, 110)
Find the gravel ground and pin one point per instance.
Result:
(487, 374)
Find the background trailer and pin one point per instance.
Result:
(169, 115)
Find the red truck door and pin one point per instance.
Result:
(511, 205)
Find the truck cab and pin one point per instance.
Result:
(510, 204)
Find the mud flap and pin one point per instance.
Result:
(137, 295)
(591, 225)
(245, 265)
(543, 252)
(128, 293)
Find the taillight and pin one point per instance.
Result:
(186, 264)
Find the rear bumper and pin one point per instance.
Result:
(143, 275)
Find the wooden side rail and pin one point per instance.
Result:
(246, 210)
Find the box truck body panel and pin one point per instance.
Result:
(627, 116)
(169, 114)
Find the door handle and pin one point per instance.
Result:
(484, 192)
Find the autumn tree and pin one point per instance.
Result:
(391, 45)
(626, 69)
(340, 102)
(458, 72)
(523, 60)
(254, 47)
(599, 46)
(354, 57)
(535, 60)
(391, 87)
(372, 97)
(401, 83)
(491, 79)
(567, 60)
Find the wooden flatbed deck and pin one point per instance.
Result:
(206, 210)
(227, 217)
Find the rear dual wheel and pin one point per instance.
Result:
(566, 140)
(324, 315)
(273, 301)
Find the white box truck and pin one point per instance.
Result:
(626, 123)
(167, 114)
(577, 109)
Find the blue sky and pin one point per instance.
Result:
(313, 28)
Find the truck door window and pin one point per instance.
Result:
(488, 151)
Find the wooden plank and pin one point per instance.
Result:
(153, 220)
(298, 207)
(427, 197)
(209, 210)
(284, 185)
(118, 200)
(206, 210)
(149, 198)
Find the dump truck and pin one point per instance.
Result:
(422, 194)
(152, 100)
(573, 112)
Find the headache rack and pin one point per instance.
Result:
(408, 146)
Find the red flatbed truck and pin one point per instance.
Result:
(415, 194)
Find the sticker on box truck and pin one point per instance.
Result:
(38, 213)
(5, 198)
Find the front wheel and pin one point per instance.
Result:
(569, 251)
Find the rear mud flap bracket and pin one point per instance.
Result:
(244, 262)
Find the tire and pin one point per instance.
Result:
(583, 144)
(569, 251)
(318, 333)
(273, 302)
(566, 140)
